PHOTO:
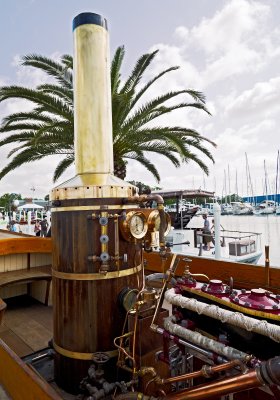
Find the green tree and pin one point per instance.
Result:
(143, 188)
(48, 128)
(7, 199)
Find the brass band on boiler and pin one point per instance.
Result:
(95, 276)
(81, 356)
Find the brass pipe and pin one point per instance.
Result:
(117, 242)
(104, 244)
(205, 371)
(104, 231)
(134, 338)
(234, 384)
(143, 198)
(267, 265)
(170, 272)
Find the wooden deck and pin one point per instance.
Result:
(27, 325)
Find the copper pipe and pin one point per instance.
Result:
(170, 272)
(122, 349)
(144, 197)
(134, 338)
(234, 384)
(267, 262)
(205, 371)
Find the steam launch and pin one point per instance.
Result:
(131, 319)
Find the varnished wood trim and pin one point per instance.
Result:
(80, 356)
(244, 275)
(20, 382)
(93, 276)
(25, 245)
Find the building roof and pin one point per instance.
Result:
(186, 193)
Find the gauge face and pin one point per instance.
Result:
(138, 225)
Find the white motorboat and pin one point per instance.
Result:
(236, 246)
(240, 208)
(265, 207)
(226, 209)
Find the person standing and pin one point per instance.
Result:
(207, 237)
(44, 227)
(37, 228)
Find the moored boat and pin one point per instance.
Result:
(240, 208)
(111, 337)
(265, 207)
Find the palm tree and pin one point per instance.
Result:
(48, 129)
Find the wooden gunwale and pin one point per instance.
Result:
(20, 245)
(20, 381)
(245, 276)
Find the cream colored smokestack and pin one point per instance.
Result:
(92, 96)
(94, 161)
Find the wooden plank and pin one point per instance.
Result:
(41, 314)
(7, 263)
(15, 343)
(24, 275)
(12, 291)
(2, 264)
(33, 334)
(25, 245)
(244, 275)
(20, 382)
(14, 317)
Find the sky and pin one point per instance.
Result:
(228, 49)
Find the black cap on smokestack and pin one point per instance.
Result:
(89, 18)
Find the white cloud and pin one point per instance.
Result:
(261, 100)
(229, 27)
(233, 56)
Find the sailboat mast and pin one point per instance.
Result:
(229, 191)
(277, 177)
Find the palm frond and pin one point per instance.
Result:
(146, 163)
(115, 69)
(137, 73)
(49, 127)
(52, 68)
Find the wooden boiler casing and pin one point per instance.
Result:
(87, 316)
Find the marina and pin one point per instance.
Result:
(267, 225)
(125, 296)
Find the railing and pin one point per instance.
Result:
(239, 242)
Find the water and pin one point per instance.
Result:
(268, 225)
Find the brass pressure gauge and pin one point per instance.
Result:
(127, 298)
(138, 225)
(130, 299)
(134, 226)
(154, 222)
